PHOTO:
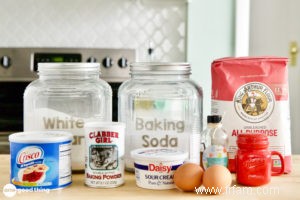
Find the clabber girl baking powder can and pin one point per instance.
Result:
(104, 154)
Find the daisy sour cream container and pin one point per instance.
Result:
(155, 167)
(40, 160)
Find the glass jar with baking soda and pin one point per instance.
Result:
(161, 107)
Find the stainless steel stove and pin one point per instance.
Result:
(18, 67)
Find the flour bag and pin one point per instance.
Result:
(253, 95)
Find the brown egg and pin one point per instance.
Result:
(216, 179)
(188, 176)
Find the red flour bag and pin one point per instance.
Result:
(252, 94)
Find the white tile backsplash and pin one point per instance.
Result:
(97, 23)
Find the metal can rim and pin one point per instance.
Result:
(158, 154)
(40, 137)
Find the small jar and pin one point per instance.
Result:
(161, 107)
(254, 163)
(65, 96)
(214, 143)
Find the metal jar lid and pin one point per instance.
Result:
(160, 67)
(68, 67)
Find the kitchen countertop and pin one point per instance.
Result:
(286, 186)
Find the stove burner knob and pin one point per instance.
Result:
(107, 62)
(91, 59)
(5, 61)
(123, 62)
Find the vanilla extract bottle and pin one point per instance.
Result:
(214, 143)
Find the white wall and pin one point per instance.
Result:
(274, 24)
(97, 23)
(105, 24)
(210, 36)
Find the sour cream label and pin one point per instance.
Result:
(155, 167)
(155, 175)
(159, 168)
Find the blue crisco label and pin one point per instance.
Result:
(43, 166)
(30, 156)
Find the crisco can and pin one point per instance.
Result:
(41, 160)
(104, 154)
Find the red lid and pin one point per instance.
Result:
(252, 141)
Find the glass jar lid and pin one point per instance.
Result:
(68, 67)
(160, 67)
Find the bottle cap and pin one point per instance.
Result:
(214, 118)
